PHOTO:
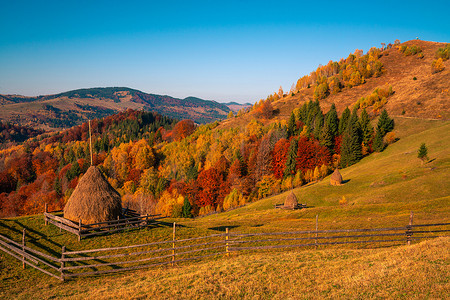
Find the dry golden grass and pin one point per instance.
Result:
(414, 272)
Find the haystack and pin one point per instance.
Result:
(336, 178)
(291, 201)
(94, 200)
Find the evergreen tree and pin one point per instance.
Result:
(351, 150)
(291, 125)
(378, 144)
(74, 171)
(344, 120)
(291, 158)
(366, 127)
(332, 120)
(57, 186)
(303, 112)
(186, 210)
(191, 172)
(326, 137)
(385, 124)
(318, 124)
(423, 152)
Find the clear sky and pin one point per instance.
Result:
(219, 50)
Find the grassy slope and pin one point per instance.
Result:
(381, 191)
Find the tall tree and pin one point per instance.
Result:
(385, 124)
(343, 122)
(326, 137)
(187, 207)
(366, 128)
(291, 125)
(332, 120)
(378, 144)
(351, 150)
(318, 124)
(291, 161)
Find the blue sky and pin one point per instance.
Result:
(220, 50)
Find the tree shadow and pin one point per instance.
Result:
(223, 228)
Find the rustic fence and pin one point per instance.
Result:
(173, 251)
(85, 230)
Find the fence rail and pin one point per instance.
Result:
(133, 257)
(86, 230)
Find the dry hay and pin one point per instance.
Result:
(94, 200)
(336, 178)
(291, 201)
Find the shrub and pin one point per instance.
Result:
(443, 53)
(437, 65)
(414, 78)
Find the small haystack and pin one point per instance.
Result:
(94, 200)
(291, 201)
(336, 178)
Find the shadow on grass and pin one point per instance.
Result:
(223, 228)
(345, 181)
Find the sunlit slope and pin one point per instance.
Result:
(381, 189)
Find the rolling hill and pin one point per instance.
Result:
(71, 108)
(418, 93)
(381, 191)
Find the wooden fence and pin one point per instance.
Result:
(169, 252)
(86, 230)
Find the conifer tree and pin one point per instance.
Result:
(366, 127)
(291, 125)
(318, 124)
(326, 137)
(291, 158)
(57, 186)
(378, 144)
(186, 210)
(385, 124)
(351, 150)
(332, 120)
(303, 112)
(343, 122)
(423, 152)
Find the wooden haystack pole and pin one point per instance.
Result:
(291, 201)
(94, 200)
(336, 178)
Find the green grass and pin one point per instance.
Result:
(381, 191)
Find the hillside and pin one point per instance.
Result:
(426, 96)
(71, 108)
(381, 190)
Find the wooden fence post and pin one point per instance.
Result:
(79, 229)
(62, 262)
(226, 245)
(45, 217)
(23, 248)
(409, 231)
(173, 244)
(317, 227)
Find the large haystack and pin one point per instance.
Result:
(93, 200)
(291, 201)
(336, 178)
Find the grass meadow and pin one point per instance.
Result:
(380, 191)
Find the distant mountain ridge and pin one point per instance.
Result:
(71, 108)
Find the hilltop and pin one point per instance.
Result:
(64, 110)
(418, 93)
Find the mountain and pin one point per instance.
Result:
(71, 108)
